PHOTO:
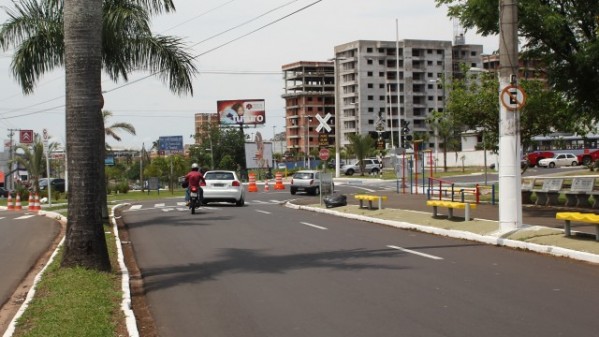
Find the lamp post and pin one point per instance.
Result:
(308, 120)
(436, 126)
(337, 117)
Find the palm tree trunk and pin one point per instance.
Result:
(85, 244)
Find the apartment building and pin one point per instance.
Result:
(375, 85)
(309, 90)
(201, 121)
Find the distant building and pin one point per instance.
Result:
(527, 68)
(202, 120)
(309, 90)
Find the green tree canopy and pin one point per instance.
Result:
(563, 34)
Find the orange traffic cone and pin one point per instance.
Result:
(36, 203)
(18, 206)
(31, 203)
(9, 204)
(279, 181)
(252, 186)
(266, 186)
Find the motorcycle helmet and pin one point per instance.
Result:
(194, 166)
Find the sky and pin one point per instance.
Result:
(241, 46)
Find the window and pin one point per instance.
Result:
(472, 53)
(429, 63)
(371, 109)
(370, 85)
(369, 61)
(370, 122)
(381, 86)
(473, 65)
(369, 50)
(371, 98)
(382, 98)
(369, 74)
(381, 74)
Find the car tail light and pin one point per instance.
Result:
(236, 183)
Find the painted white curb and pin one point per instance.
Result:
(11, 327)
(491, 240)
(126, 302)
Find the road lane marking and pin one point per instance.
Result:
(417, 253)
(313, 225)
(24, 217)
(264, 212)
(136, 207)
(159, 205)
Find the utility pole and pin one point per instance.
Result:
(510, 205)
(11, 164)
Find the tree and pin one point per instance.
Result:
(473, 103)
(563, 34)
(32, 160)
(85, 242)
(112, 131)
(122, 42)
(362, 146)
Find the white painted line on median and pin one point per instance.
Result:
(136, 207)
(417, 253)
(313, 225)
(159, 205)
(261, 211)
(25, 217)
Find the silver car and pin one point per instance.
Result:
(371, 166)
(308, 181)
(223, 186)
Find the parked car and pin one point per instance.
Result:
(332, 163)
(223, 186)
(57, 184)
(4, 192)
(308, 181)
(560, 159)
(372, 166)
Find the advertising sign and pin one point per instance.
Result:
(171, 144)
(258, 155)
(241, 112)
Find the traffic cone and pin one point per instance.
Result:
(279, 181)
(18, 206)
(36, 203)
(266, 186)
(9, 204)
(31, 203)
(252, 186)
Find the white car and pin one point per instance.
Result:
(309, 181)
(223, 186)
(560, 159)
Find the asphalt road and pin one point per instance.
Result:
(267, 270)
(23, 239)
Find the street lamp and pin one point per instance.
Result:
(337, 117)
(436, 130)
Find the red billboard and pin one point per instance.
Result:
(241, 112)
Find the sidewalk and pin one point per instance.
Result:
(541, 232)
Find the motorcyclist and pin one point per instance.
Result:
(194, 178)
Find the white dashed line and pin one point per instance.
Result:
(313, 225)
(135, 207)
(159, 205)
(264, 212)
(416, 253)
(24, 217)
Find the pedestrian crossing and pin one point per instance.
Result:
(181, 207)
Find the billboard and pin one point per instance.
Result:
(241, 112)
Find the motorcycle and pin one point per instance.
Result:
(194, 198)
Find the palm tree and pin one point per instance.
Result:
(85, 243)
(32, 160)
(35, 30)
(362, 146)
(112, 130)
(114, 35)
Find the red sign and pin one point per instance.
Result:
(26, 136)
(323, 154)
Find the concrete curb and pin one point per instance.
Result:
(457, 234)
(126, 305)
(31, 293)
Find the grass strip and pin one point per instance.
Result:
(75, 301)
